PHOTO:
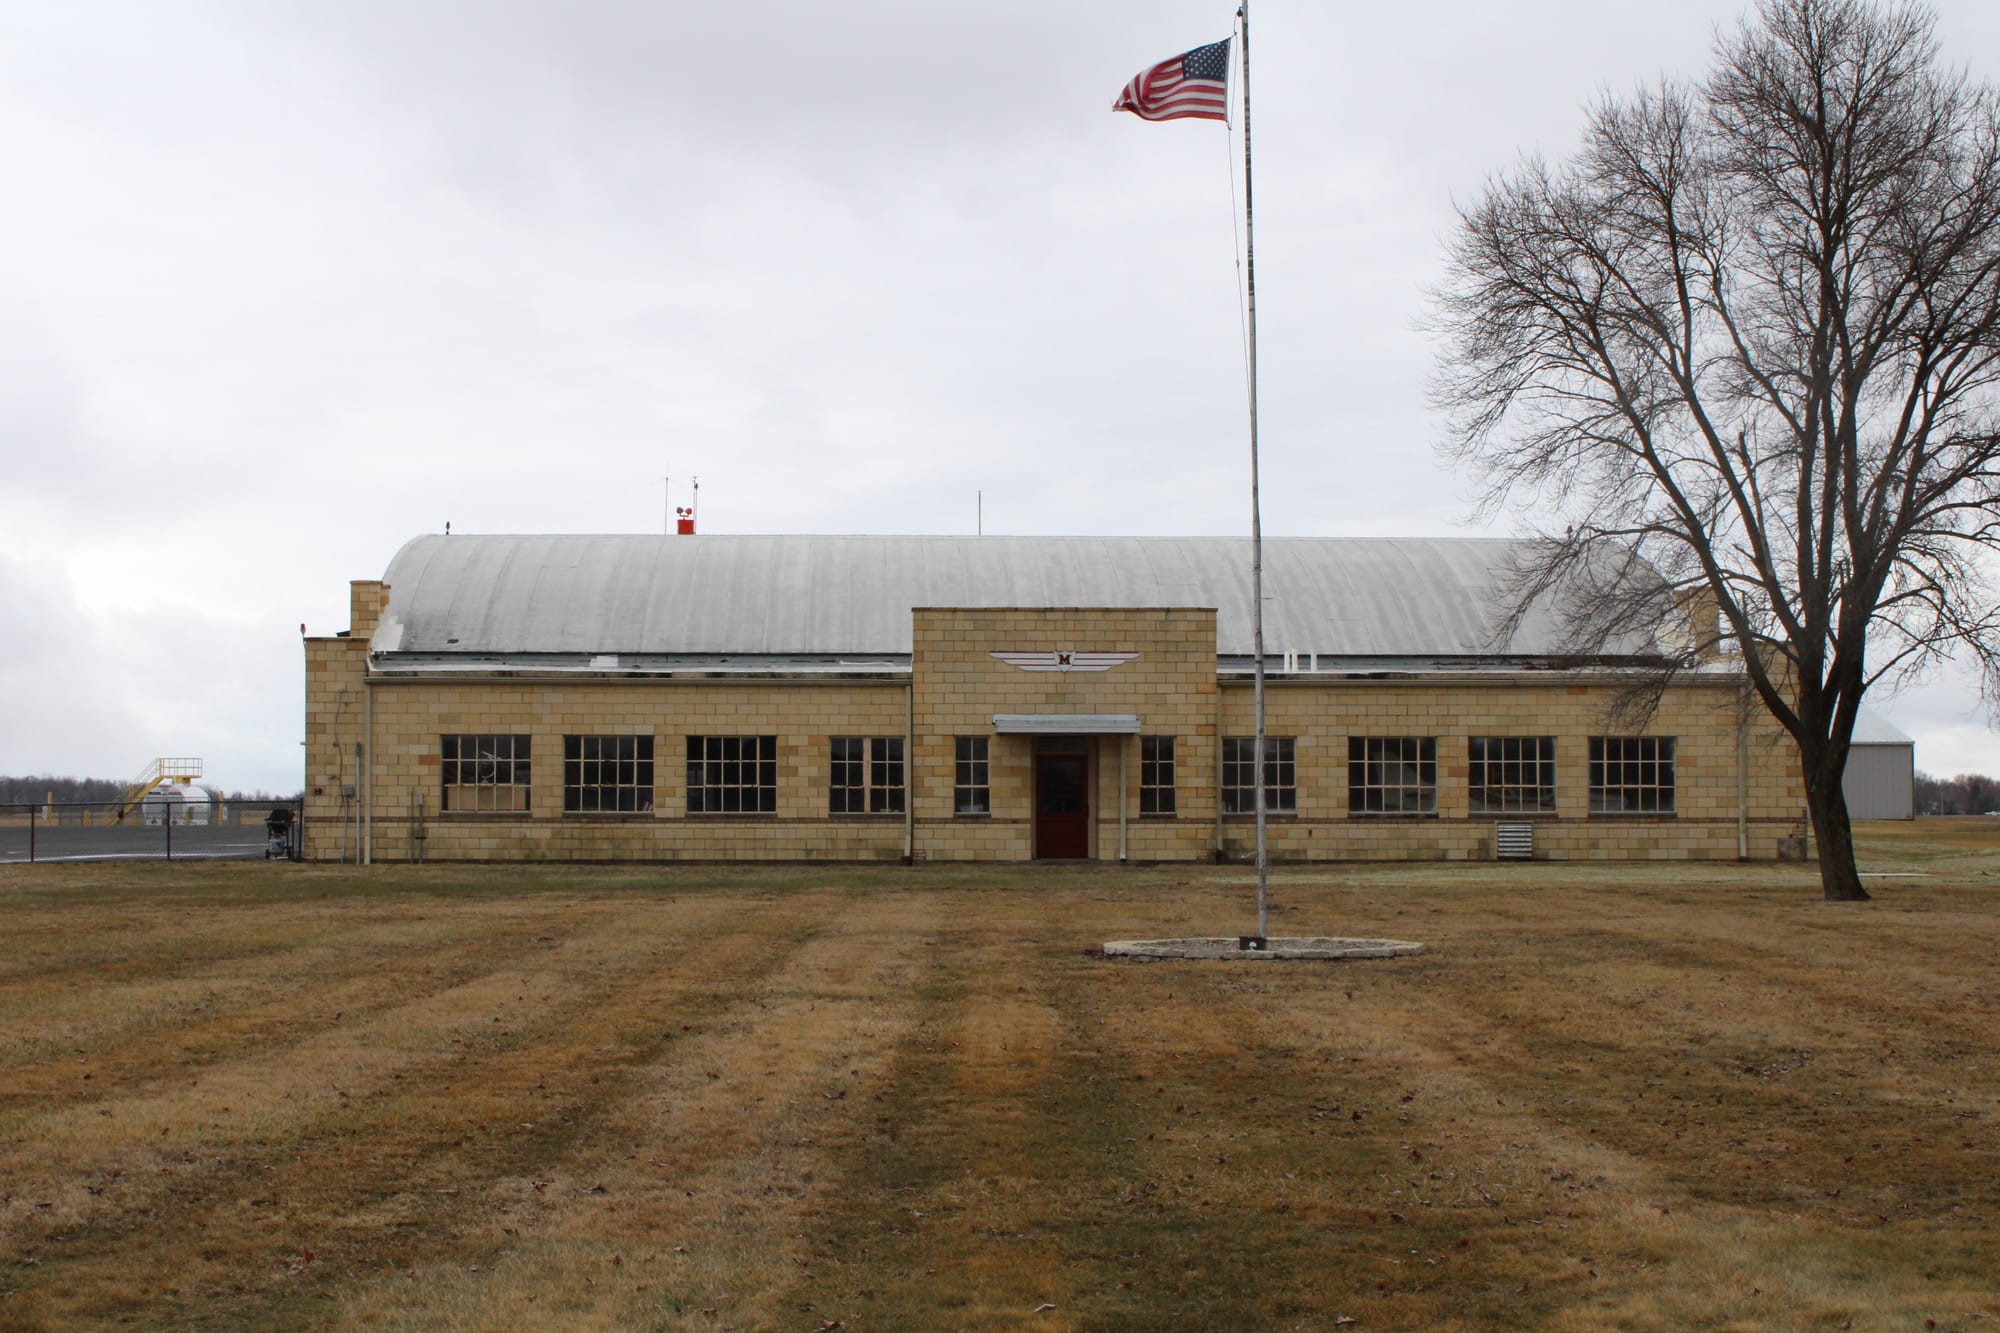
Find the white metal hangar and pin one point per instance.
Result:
(1881, 777)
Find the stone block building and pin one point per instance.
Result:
(707, 698)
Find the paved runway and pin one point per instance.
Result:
(131, 843)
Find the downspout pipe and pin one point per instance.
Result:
(1124, 744)
(367, 776)
(1743, 769)
(340, 791)
(910, 769)
(340, 769)
(1218, 773)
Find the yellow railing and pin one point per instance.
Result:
(160, 770)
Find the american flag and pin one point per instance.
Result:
(1195, 85)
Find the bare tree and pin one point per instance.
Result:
(1750, 332)
(1966, 794)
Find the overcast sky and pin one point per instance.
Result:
(285, 284)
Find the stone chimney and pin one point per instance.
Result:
(366, 600)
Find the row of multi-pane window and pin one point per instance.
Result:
(614, 774)
(1505, 775)
(1386, 775)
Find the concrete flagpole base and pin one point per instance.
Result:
(1295, 948)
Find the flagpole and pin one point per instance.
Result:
(1196, 85)
(1256, 508)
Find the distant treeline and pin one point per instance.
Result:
(1966, 794)
(34, 790)
(19, 791)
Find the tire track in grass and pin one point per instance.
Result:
(426, 1085)
(1794, 1051)
(1467, 1199)
(1275, 1182)
(1280, 1097)
(683, 1206)
(894, 1244)
(75, 941)
(1240, 1147)
(1458, 1208)
(171, 1026)
(1486, 1114)
(1073, 1134)
(1613, 1236)
(425, 1001)
(1480, 1112)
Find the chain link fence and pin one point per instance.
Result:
(152, 831)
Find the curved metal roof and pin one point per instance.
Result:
(853, 595)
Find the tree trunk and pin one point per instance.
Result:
(1827, 805)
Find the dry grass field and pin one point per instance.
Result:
(1650, 1097)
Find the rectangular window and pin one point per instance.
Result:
(1512, 775)
(729, 775)
(607, 774)
(1631, 775)
(484, 773)
(865, 775)
(970, 793)
(1392, 775)
(1156, 775)
(1239, 775)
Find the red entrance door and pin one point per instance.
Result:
(1062, 807)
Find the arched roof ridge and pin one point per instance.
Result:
(840, 595)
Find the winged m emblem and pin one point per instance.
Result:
(1060, 660)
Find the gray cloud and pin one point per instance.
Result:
(290, 282)
(101, 694)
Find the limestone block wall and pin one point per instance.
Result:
(336, 722)
(335, 709)
(1699, 713)
(958, 685)
(407, 718)
(955, 686)
(366, 599)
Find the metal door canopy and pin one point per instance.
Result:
(1066, 724)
